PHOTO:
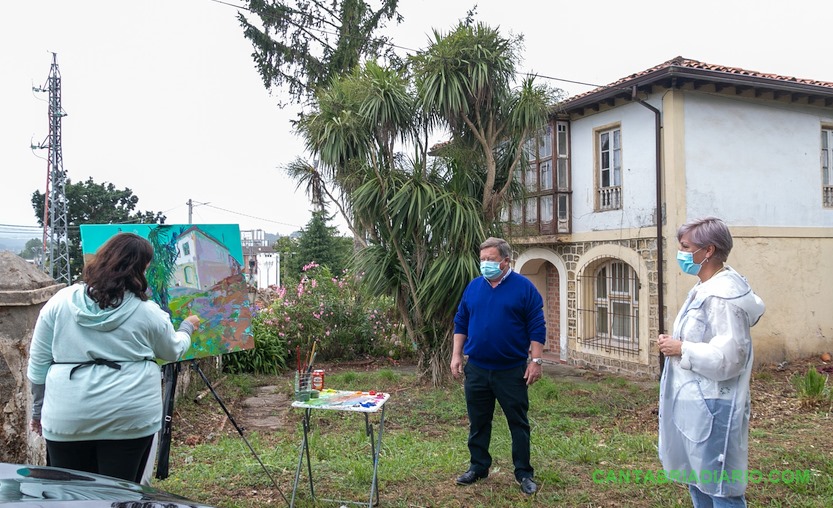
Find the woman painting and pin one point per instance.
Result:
(97, 388)
(704, 398)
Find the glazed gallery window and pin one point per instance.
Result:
(544, 206)
(609, 169)
(827, 167)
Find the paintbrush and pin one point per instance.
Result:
(312, 354)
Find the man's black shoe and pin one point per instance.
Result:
(470, 477)
(528, 486)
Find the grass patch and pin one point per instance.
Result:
(581, 430)
(812, 387)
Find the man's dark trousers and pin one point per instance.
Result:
(509, 388)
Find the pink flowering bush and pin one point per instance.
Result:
(332, 310)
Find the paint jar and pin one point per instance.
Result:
(318, 379)
(302, 386)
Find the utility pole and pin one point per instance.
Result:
(191, 204)
(55, 234)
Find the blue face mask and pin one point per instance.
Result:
(686, 262)
(490, 269)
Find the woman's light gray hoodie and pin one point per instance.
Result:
(99, 401)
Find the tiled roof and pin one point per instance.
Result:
(694, 64)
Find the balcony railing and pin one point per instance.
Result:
(610, 198)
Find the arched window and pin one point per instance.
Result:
(611, 311)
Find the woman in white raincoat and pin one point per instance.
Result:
(704, 390)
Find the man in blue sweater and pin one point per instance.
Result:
(499, 319)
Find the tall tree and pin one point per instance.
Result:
(92, 203)
(320, 187)
(422, 223)
(32, 249)
(466, 80)
(424, 217)
(320, 243)
(163, 264)
(301, 45)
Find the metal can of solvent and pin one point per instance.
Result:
(318, 379)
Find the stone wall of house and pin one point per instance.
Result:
(612, 361)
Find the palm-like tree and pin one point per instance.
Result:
(162, 266)
(422, 219)
(421, 226)
(465, 80)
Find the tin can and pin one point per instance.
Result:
(318, 379)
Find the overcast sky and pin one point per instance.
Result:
(163, 98)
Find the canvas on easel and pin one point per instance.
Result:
(196, 269)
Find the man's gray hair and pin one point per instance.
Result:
(707, 231)
(502, 246)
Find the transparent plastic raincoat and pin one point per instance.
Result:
(704, 393)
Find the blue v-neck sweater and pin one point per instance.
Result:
(500, 322)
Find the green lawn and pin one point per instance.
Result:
(589, 434)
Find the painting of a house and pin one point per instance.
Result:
(196, 269)
(202, 261)
(619, 168)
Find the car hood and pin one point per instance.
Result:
(29, 486)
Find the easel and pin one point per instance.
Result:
(170, 372)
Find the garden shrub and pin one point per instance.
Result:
(269, 355)
(347, 324)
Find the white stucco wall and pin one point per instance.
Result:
(638, 169)
(754, 163)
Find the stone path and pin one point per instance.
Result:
(266, 410)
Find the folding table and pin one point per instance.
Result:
(352, 402)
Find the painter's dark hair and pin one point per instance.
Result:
(117, 267)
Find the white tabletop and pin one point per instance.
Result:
(345, 400)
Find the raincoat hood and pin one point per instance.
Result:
(734, 288)
(88, 314)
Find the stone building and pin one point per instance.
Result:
(619, 168)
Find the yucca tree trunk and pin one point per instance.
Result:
(435, 363)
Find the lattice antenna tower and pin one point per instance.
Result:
(55, 231)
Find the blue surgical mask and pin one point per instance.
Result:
(686, 262)
(490, 269)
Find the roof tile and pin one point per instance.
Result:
(680, 61)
